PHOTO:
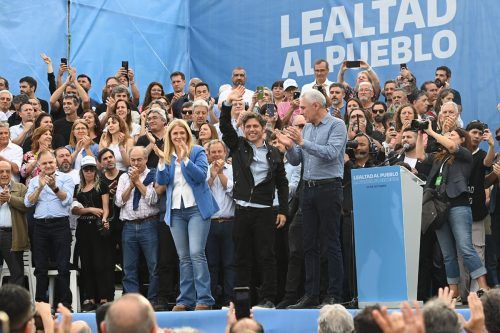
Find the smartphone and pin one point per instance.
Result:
(4, 322)
(38, 322)
(260, 92)
(403, 66)
(270, 110)
(353, 64)
(242, 302)
(64, 61)
(296, 94)
(125, 65)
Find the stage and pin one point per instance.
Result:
(290, 321)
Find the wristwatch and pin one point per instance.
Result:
(56, 190)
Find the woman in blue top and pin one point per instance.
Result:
(190, 204)
(80, 143)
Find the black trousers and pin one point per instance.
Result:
(168, 265)
(52, 236)
(13, 259)
(254, 233)
(295, 275)
(96, 255)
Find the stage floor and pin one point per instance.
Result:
(274, 321)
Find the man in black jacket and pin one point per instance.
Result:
(258, 171)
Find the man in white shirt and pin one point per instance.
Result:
(220, 246)
(5, 102)
(20, 132)
(137, 198)
(10, 152)
(321, 70)
(239, 78)
(13, 227)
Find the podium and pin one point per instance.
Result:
(387, 204)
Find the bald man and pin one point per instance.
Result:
(13, 225)
(246, 325)
(132, 313)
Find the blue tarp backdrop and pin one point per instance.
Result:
(271, 40)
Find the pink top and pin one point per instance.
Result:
(283, 108)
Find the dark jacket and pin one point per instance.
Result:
(455, 176)
(242, 156)
(422, 168)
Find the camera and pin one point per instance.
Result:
(351, 144)
(419, 125)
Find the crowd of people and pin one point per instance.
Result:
(192, 193)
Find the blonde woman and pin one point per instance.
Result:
(189, 206)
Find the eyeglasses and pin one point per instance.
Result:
(89, 168)
(187, 112)
(380, 111)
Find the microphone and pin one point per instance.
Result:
(400, 153)
(405, 148)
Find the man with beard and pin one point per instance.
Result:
(409, 154)
(389, 87)
(86, 83)
(239, 78)
(337, 95)
(378, 111)
(365, 95)
(361, 159)
(153, 139)
(64, 125)
(111, 174)
(398, 98)
(63, 160)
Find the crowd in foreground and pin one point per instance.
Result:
(134, 313)
(192, 195)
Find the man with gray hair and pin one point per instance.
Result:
(439, 317)
(136, 196)
(132, 313)
(335, 319)
(153, 139)
(5, 102)
(320, 147)
(365, 95)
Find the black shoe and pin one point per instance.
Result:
(329, 300)
(264, 304)
(159, 307)
(306, 302)
(88, 306)
(285, 303)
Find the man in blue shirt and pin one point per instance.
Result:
(51, 193)
(320, 147)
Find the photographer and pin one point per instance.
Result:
(451, 169)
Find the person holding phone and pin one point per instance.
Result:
(366, 75)
(321, 70)
(289, 107)
(189, 207)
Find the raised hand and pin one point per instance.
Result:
(46, 58)
(236, 94)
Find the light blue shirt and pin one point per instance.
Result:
(223, 196)
(323, 149)
(259, 169)
(293, 176)
(48, 204)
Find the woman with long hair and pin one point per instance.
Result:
(44, 120)
(95, 130)
(41, 140)
(449, 176)
(124, 111)
(153, 91)
(208, 132)
(80, 143)
(189, 206)
(92, 235)
(117, 139)
(404, 115)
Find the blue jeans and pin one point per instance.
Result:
(458, 229)
(137, 237)
(190, 232)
